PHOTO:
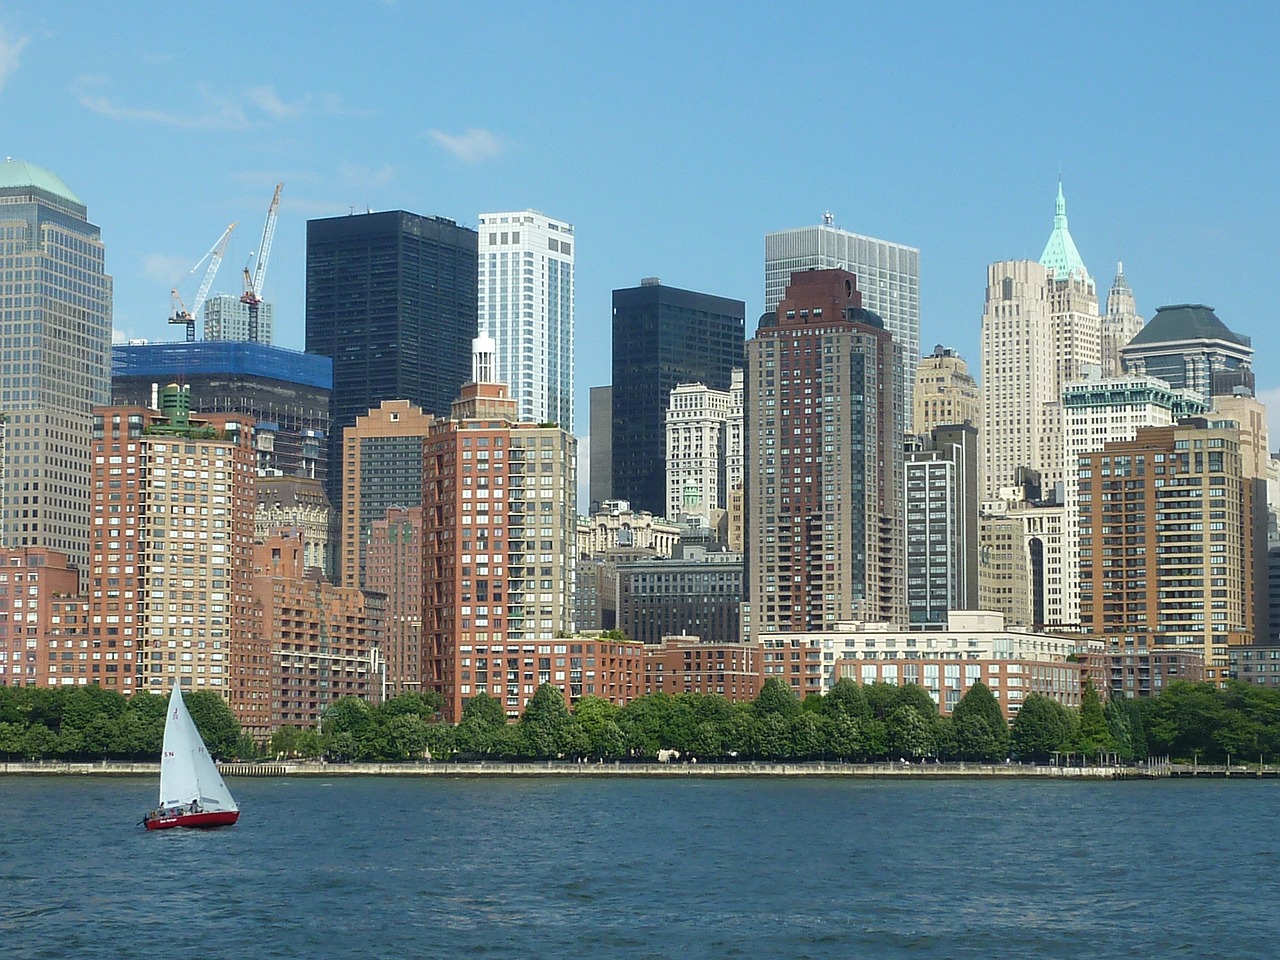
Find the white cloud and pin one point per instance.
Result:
(473, 146)
(166, 269)
(361, 175)
(255, 106)
(11, 48)
(268, 101)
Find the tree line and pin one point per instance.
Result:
(851, 722)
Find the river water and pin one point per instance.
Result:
(582, 868)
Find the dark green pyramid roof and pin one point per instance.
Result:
(1187, 321)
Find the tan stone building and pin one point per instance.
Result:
(297, 503)
(946, 393)
(171, 553)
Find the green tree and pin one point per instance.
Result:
(1041, 728)
(908, 733)
(425, 705)
(485, 709)
(1092, 735)
(1120, 727)
(597, 718)
(846, 740)
(405, 737)
(772, 737)
(546, 724)
(979, 729)
(218, 726)
(846, 698)
(1181, 722)
(808, 736)
(881, 698)
(38, 742)
(776, 698)
(284, 741)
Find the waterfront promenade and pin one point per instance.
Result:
(298, 768)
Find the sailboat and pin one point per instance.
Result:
(192, 793)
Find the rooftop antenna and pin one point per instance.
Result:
(828, 218)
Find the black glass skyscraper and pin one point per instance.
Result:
(391, 297)
(663, 336)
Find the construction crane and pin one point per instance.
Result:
(180, 312)
(252, 296)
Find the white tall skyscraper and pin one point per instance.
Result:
(888, 278)
(55, 345)
(1040, 331)
(526, 304)
(1120, 324)
(227, 318)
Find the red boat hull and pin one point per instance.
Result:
(222, 818)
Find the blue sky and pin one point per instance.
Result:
(673, 136)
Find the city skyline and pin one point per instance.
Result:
(180, 154)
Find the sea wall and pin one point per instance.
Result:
(497, 769)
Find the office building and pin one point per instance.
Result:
(824, 522)
(600, 480)
(382, 469)
(1120, 324)
(945, 393)
(698, 593)
(1040, 331)
(942, 523)
(888, 279)
(1187, 346)
(285, 392)
(171, 555)
(391, 298)
(663, 336)
(55, 337)
(226, 317)
(698, 447)
(499, 525)
(525, 300)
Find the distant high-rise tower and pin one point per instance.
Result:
(226, 317)
(499, 508)
(1040, 331)
(1120, 324)
(382, 454)
(55, 328)
(663, 336)
(526, 305)
(1186, 345)
(391, 297)
(942, 523)
(946, 392)
(697, 449)
(888, 278)
(183, 551)
(823, 462)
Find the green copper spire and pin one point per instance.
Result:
(1060, 254)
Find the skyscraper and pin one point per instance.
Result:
(663, 336)
(391, 297)
(888, 278)
(697, 450)
(946, 392)
(942, 523)
(286, 392)
(382, 457)
(226, 317)
(55, 338)
(823, 462)
(499, 527)
(171, 555)
(526, 305)
(1186, 345)
(1120, 324)
(1040, 331)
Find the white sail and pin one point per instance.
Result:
(187, 772)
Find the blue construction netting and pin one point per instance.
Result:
(163, 361)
